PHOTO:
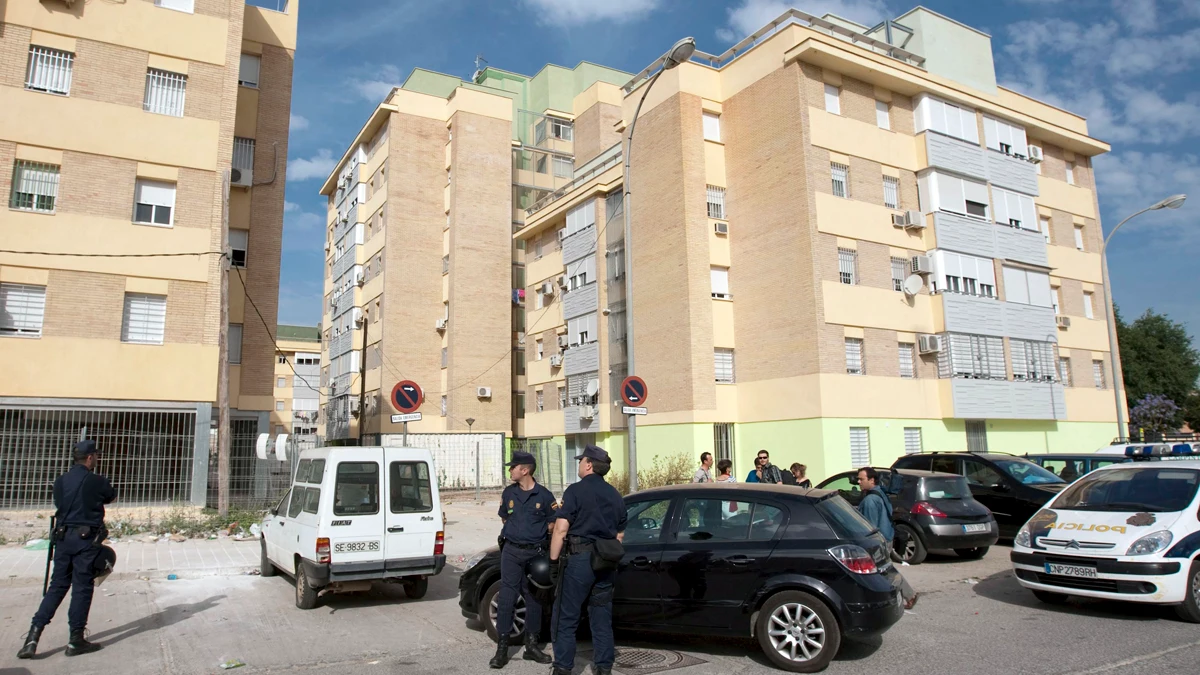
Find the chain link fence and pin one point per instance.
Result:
(254, 483)
(550, 461)
(463, 463)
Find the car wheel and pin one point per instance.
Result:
(1190, 609)
(416, 589)
(306, 595)
(265, 568)
(972, 553)
(1050, 597)
(797, 632)
(489, 607)
(913, 550)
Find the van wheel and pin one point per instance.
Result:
(416, 588)
(972, 553)
(913, 552)
(797, 632)
(265, 568)
(306, 595)
(1190, 609)
(489, 607)
(1050, 597)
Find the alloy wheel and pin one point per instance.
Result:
(796, 632)
(518, 614)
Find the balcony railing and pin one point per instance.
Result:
(601, 163)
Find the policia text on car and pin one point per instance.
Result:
(79, 495)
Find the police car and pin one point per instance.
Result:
(1126, 532)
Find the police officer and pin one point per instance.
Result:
(591, 510)
(527, 511)
(80, 496)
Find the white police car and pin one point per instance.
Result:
(1123, 532)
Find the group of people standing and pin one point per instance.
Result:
(763, 472)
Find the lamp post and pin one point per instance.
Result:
(1172, 202)
(680, 52)
(470, 423)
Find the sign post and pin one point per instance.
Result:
(633, 394)
(407, 398)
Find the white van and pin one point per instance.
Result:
(355, 515)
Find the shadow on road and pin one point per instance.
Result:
(1003, 587)
(441, 587)
(167, 616)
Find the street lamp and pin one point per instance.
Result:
(470, 423)
(1172, 202)
(680, 52)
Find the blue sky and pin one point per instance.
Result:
(1129, 66)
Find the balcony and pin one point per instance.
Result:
(988, 316)
(580, 301)
(1012, 172)
(582, 359)
(953, 154)
(341, 344)
(989, 240)
(1007, 400)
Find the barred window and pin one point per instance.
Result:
(974, 356)
(848, 266)
(144, 319)
(907, 363)
(1064, 370)
(899, 273)
(891, 192)
(243, 154)
(912, 440)
(165, 92)
(541, 401)
(49, 70)
(1098, 373)
(860, 446)
(716, 202)
(34, 186)
(723, 365)
(854, 357)
(22, 309)
(841, 179)
(1032, 360)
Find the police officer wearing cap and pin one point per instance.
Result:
(79, 495)
(527, 511)
(591, 511)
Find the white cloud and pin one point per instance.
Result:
(289, 207)
(1140, 15)
(319, 166)
(571, 13)
(302, 230)
(297, 123)
(752, 15)
(376, 86)
(1130, 181)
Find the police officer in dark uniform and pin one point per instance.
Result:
(80, 496)
(527, 510)
(591, 510)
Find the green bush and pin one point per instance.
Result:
(674, 470)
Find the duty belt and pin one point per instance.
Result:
(580, 545)
(525, 547)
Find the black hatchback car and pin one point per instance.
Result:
(1013, 488)
(929, 510)
(796, 569)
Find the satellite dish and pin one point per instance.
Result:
(913, 285)
(593, 388)
(260, 446)
(281, 447)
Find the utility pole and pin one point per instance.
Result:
(223, 359)
(362, 382)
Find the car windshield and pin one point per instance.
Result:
(1027, 472)
(843, 518)
(946, 488)
(1149, 489)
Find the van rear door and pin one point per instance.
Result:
(413, 513)
(355, 527)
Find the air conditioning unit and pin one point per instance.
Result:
(483, 392)
(242, 177)
(360, 282)
(564, 341)
(909, 220)
(562, 282)
(721, 228)
(587, 412)
(327, 247)
(922, 264)
(1035, 154)
(1062, 321)
(547, 288)
(556, 360)
(929, 344)
(354, 407)
(562, 234)
(440, 324)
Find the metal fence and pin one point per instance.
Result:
(460, 461)
(146, 454)
(254, 483)
(549, 456)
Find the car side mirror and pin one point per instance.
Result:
(1002, 487)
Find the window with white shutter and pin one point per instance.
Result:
(1027, 287)
(955, 194)
(716, 202)
(891, 192)
(712, 127)
(178, 5)
(165, 92)
(723, 365)
(1070, 173)
(934, 114)
(847, 266)
(1014, 209)
(1098, 373)
(49, 70)
(833, 101)
(720, 282)
(34, 187)
(238, 241)
(144, 319)
(908, 367)
(249, 69)
(1064, 370)
(912, 440)
(235, 343)
(1044, 226)
(854, 357)
(966, 274)
(154, 203)
(840, 174)
(564, 167)
(883, 118)
(1079, 237)
(860, 447)
(1088, 310)
(1004, 136)
(22, 310)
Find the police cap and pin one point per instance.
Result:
(85, 448)
(594, 453)
(519, 457)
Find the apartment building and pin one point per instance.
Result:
(117, 123)
(848, 243)
(422, 207)
(297, 382)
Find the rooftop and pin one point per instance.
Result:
(302, 333)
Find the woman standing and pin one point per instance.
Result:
(799, 471)
(723, 472)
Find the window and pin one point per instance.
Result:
(720, 282)
(1070, 173)
(1027, 287)
(1079, 237)
(978, 473)
(22, 310)
(1064, 370)
(854, 357)
(280, 382)
(179, 5)
(1098, 373)
(1032, 360)
(564, 167)
(907, 362)
(561, 129)
(35, 187)
(144, 318)
(312, 498)
(581, 217)
(49, 70)
(972, 356)
(248, 70)
(1056, 298)
(946, 118)
(540, 401)
(443, 406)
(562, 397)
(891, 192)
(356, 490)
(645, 521)
(847, 266)
(723, 365)
(165, 92)
(281, 359)
(1044, 226)
(1088, 310)
(833, 102)
(445, 357)
(840, 173)
(716, 202)
(966, 274)
(899, 273)
(712, 127)
(410, 487)
(238, 240)
(519, 404)
(912, 440)
(860, 446)
(235, 343)
(279, 430)
(297, 503)
(1014, 209)
(883, 118)
(541, 350)
(154, 203)
(1004, 136)
(279, 406)
(582, 329)
(944, 192)
(978, 209)
(243, 154)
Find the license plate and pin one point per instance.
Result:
(981, 527)
(355, 546)
(1071, 570)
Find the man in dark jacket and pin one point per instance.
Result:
(877, 509)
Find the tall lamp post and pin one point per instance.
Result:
(680, 52)
(1172, 202)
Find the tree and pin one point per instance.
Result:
(1155, 413)
(1158, 358)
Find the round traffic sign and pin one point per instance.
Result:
(633, 391)
(407, 396)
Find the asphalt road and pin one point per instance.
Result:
(973, 618)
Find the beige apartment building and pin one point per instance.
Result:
(848, 244)
(117, 124)
(297, 383)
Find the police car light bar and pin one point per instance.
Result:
(1184, 449)
(1161, 450)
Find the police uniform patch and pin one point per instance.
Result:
(554, 506)
(537, 505)
(510, 503)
